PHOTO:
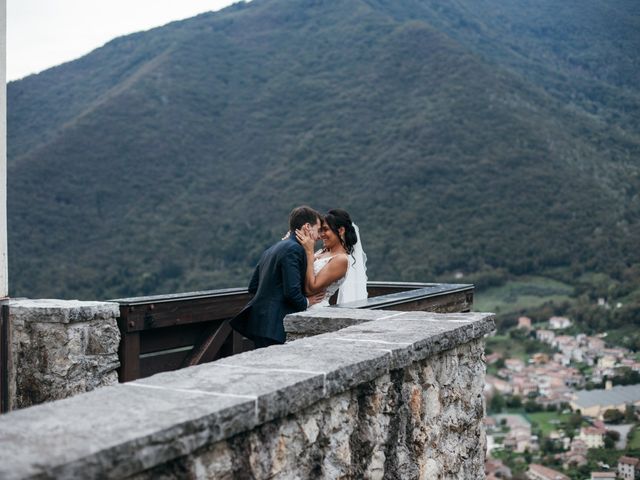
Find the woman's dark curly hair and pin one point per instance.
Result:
(337, 218)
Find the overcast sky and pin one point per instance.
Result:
(44, 33)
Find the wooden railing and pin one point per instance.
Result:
(426, 297)
(168, 332)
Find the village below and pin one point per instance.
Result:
(561, 404)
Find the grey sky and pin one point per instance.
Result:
(44, 33)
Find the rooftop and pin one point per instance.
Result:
(629, 461)
(547, 472)
(616, 396)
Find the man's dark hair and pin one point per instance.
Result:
(301, 215)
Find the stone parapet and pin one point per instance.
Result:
(319, 320)
(60, 348)
(331, 319)
(391, 398)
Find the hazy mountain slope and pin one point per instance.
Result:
(42, 105)
(168, 160)
(584, 53)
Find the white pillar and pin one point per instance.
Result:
(4, 267)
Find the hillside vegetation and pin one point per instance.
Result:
(497, 138)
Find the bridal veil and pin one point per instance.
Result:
(355, 282)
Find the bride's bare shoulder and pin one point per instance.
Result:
(341, 258)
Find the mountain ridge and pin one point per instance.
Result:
(178, 180)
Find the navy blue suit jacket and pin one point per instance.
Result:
(277, 283)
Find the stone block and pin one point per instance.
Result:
(278, 393)
(61, 348)
(414, 336)
(328, 319)
(342, 364)
(60, 311)
(116, 431)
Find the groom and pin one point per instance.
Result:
(278, 284)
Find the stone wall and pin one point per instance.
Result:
(423, 421)
(60, 348)
(393, 397)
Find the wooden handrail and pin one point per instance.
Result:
(417, 291)
(406, 291)
(166, 332)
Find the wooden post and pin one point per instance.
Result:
(5, 343)
(129, 348)
(129, 353)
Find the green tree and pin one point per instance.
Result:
(584, 471)
(531, 406)
(549, 446)
(613, 434)
(626, 376)
(515, 401)
(575, 420)
(497, 403)
(630, 413)
(518, 334)
(613, 416)
(609, 443)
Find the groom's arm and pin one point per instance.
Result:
(292, 264)
(255, 280)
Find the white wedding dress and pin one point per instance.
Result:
(318, 264)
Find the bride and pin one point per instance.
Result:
(340, 264)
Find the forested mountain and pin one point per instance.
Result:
(490, 137)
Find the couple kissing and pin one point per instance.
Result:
(291, 276)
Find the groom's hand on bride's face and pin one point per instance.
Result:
(309, 231)
(305, 239)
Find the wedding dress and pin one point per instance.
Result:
(318, 264)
